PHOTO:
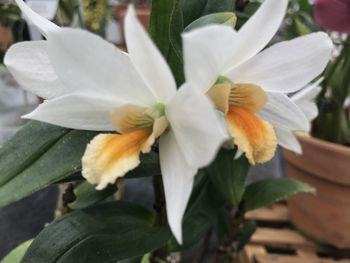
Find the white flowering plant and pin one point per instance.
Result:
(194, 103)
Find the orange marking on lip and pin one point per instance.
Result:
(252, 135)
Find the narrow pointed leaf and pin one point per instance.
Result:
(166, 26)
(41, 154)
(28, 144)
(61, 159)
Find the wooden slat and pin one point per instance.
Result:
(275, 213)
(280, 237)
(252, 250)
(269, 244)
(307, 253)
(291, 259)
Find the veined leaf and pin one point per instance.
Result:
(60, 160)
(26, 146)
(166, 26)
(160, 20)
(41, 154)
(267, 192)
(106, 233)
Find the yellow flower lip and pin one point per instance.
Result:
(110, 156)
(239, 102)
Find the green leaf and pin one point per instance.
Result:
(42, 154)
(16, 255)
(44, 166)
(87, 195)
(223, 224)
(305, 6)
(131, 260)
(146, 259)
(106, 233)
(229, 175)
(26, 146)
(149, 166)
(194, 9)
(166, 26)
(201, 214)
(300, 27)
(224, 18)
(267, 192)
(160, 20)
(245, 234)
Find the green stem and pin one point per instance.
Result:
(329, 73)
(230, 247)
(159, 196)
(346, 80)
(160, 254)
(331, 124)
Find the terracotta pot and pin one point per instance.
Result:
(326, 215)
(143, 14)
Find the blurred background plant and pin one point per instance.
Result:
(9, 15)
(136, 2)
(333, 121)
(92, 15)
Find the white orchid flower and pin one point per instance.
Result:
(305, 100)
(250, 87)
(91, 85)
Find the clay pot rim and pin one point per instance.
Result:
(330, 146)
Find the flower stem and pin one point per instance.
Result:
(159, 206)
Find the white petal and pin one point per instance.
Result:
(76, 112)
(307, 94)
(282, 113)
(287, 66)
(305, 99)
(309, 108)
(196, 126)
(86, 63)
(206, 53)
(29, 64)
(178, 179)
(288, 140)
(44, 25)
(257, 32)
(308, 105)
(147, 59)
